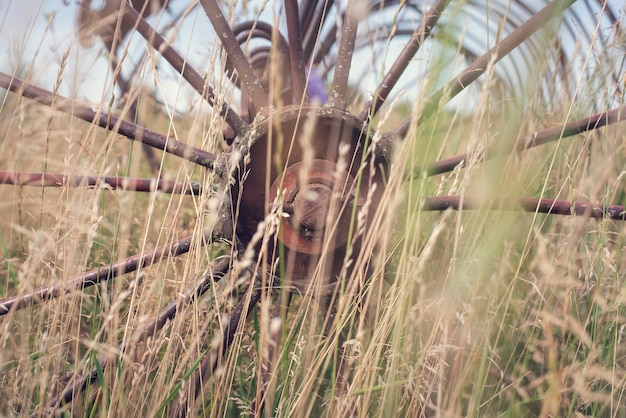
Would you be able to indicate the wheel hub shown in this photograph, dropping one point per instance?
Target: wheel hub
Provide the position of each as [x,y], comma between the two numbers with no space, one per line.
[304,164]
[315,198]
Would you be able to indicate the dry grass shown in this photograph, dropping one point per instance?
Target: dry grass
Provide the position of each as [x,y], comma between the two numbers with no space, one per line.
[466,313]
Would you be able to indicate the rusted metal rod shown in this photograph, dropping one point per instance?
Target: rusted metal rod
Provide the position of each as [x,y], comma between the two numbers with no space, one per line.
[545,136]
[428,22]
[102,273]
[22,178]
[296,53]
[194,79]
[133,115]
[339,88]
[495,54]
[80,383]
[313,16]
[548,206]
[233,50]
[210,359]
[110,122]
[259,56]
[480,65]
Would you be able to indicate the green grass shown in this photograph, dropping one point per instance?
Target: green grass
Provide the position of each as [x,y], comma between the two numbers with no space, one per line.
[479,313]
[466,313]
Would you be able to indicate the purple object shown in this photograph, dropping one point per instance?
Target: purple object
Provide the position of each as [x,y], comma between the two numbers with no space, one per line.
[316,90]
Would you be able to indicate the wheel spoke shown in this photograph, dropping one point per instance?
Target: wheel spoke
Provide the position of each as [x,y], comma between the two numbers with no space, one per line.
[105,273]
[260,58]
[272,348]
[194,79]
[495,54]
[344,57]
[245,71]
[110,122]
[537,205]
[125,89]
[298,78]
[80,383]
[21,178]
[538,138]
[428,22]
[324,46]
[210,359]
[480,65]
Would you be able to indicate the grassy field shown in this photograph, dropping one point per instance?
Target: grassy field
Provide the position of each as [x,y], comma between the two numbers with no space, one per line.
[456,313]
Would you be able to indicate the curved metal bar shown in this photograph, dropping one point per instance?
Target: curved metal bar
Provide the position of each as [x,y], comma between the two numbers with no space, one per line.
[312,20]
[495,54]
[548,206]
[245,71]
[262,30]
[22,178]
[194,79]
[104,273]
[479,66]
[110,122]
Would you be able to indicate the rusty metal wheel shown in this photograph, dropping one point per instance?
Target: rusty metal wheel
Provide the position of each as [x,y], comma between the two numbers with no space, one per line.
[296,159]
[319,154]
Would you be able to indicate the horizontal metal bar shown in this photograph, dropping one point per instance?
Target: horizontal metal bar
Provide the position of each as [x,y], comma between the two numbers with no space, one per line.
[23,178]
[110,122]
[528,204]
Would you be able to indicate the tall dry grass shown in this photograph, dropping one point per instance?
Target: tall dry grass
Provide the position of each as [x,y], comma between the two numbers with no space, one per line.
[466,313]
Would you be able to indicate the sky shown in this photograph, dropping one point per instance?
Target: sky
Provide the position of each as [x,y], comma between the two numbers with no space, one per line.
[35,35]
